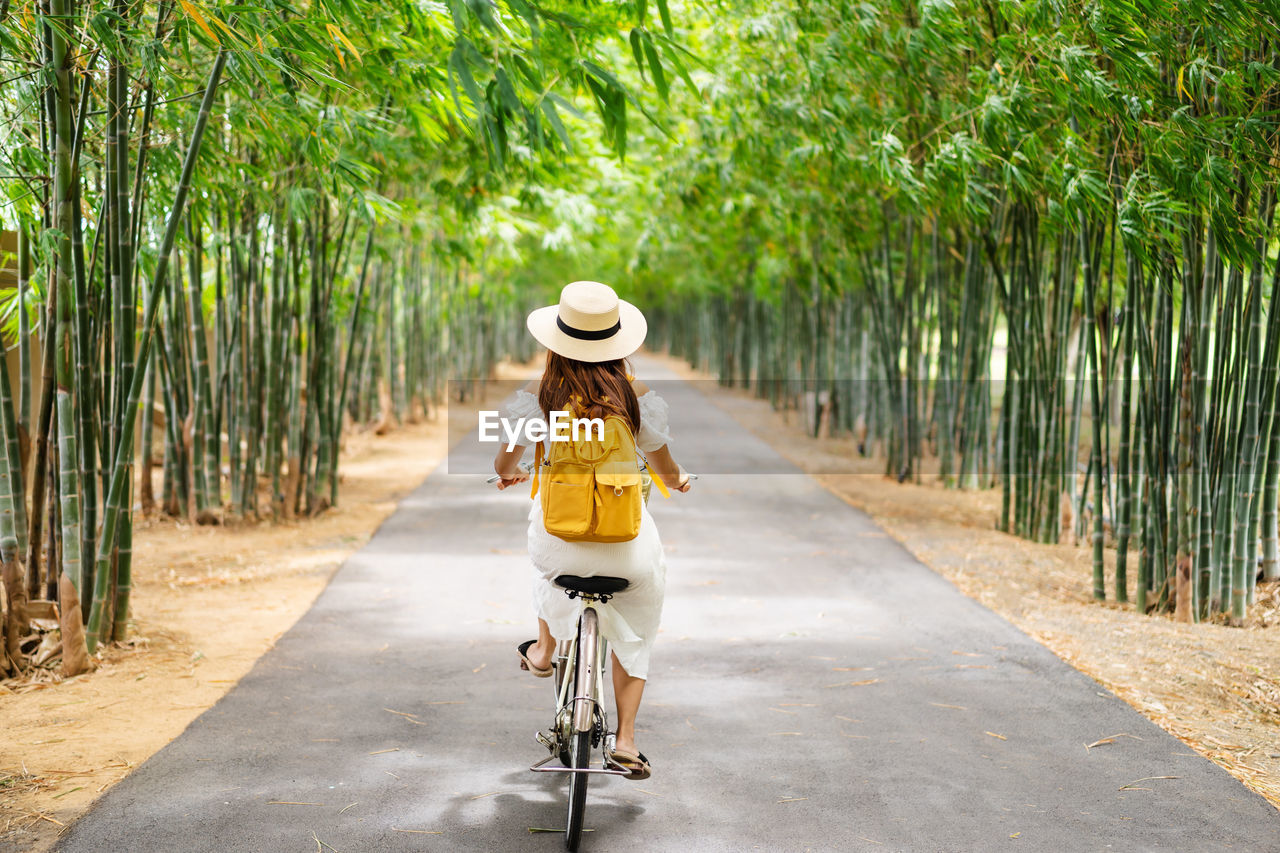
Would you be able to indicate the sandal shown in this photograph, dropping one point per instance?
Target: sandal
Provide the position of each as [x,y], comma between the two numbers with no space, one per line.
[526,664]
[636,765]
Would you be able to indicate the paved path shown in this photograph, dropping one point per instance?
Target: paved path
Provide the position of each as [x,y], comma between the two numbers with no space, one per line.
[815,688]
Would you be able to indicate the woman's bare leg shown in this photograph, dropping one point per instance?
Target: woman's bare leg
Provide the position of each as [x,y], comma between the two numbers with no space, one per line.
[627,690]
[541,652]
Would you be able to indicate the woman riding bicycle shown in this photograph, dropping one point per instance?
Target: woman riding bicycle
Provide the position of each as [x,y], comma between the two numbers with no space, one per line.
[588,337]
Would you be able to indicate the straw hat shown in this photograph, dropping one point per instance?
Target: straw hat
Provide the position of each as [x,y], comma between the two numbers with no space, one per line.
[590,324]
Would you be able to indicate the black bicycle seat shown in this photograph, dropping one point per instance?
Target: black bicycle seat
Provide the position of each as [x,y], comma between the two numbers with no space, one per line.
[597,585]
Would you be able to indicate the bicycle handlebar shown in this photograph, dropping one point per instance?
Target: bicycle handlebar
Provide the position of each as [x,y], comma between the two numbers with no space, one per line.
[526,467]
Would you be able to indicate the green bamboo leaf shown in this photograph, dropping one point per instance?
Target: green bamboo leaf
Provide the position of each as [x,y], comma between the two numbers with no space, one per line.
[530,15]
[458,67]
[483,10]
[655,66]
[565,105]
[636,50]
[506,92]
[602,102]
[681,71]
[620,130]
[603,76]
[665,14]
[553,117]
[458,11]
[528,72]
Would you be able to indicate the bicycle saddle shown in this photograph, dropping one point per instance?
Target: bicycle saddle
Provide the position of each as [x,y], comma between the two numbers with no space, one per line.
[598,585]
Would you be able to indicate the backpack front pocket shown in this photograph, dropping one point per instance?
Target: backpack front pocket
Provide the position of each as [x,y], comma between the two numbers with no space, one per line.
[618,503]
[567,502]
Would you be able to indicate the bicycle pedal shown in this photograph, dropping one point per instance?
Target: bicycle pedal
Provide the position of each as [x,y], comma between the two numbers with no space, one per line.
[546,740]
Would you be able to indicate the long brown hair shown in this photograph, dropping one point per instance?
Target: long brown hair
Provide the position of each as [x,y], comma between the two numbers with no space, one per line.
[599,389]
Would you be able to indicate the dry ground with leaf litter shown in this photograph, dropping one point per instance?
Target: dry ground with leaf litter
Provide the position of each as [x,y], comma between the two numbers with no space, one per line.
[1214,687]
[207,603]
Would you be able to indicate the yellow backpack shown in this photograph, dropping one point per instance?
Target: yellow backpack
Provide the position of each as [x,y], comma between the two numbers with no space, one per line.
[593,488]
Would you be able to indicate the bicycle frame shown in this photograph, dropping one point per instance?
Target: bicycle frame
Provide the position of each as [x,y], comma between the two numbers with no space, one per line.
[582,671]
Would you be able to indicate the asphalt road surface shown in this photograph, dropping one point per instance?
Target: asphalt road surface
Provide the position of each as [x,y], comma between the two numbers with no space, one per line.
[814,688]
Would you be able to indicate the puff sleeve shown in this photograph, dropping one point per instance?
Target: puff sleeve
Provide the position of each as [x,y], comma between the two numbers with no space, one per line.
[519,405]
[653,422]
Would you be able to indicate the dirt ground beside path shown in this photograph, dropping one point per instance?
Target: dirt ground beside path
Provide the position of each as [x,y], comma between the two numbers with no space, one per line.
[207,603]
[1216,688]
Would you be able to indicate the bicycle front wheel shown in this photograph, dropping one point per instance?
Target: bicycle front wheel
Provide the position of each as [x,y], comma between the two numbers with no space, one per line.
[584,704]
[579,759]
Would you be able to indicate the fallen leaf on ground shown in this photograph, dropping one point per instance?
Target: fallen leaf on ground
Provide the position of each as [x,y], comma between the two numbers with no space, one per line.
[1130,785]
[400,713]
[43,816]
[320,845]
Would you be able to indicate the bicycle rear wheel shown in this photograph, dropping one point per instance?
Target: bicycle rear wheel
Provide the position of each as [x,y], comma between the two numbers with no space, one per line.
[579,759]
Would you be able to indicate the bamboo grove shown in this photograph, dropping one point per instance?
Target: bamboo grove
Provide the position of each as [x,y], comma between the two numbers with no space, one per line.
[233,231]
[1022,245]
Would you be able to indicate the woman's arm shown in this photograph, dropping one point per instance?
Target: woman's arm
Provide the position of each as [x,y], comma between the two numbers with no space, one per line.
[507,466]
[507,463]
[670,472]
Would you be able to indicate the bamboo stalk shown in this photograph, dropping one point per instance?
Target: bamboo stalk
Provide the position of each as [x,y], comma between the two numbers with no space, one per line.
[121,468]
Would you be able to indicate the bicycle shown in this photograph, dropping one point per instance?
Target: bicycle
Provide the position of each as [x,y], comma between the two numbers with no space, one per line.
[581,721]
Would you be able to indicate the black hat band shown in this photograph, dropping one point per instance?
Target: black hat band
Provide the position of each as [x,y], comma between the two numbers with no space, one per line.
[588,335]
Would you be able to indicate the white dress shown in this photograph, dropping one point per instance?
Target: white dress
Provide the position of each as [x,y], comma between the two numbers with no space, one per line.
[630,620]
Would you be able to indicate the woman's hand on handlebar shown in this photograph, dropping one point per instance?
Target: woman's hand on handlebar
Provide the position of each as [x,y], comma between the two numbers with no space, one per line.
[503,483]
[509,470]
[684,481]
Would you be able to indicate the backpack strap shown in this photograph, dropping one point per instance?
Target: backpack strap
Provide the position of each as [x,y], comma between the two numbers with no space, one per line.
[657,480]
[537,470]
